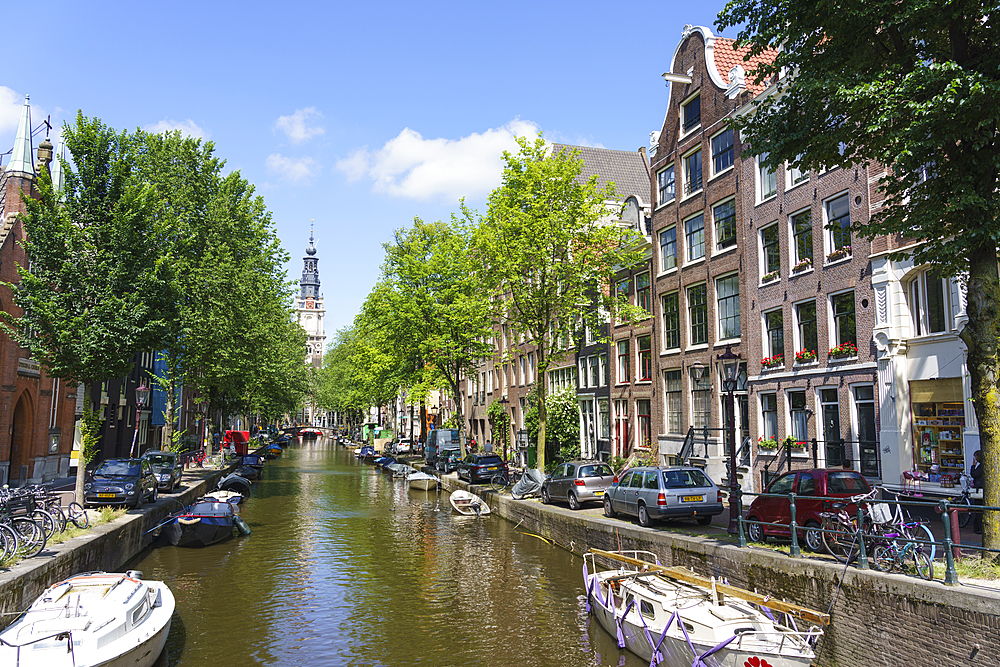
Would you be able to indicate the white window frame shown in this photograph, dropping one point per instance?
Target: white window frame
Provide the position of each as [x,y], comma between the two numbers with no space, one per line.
[718,308]
[704,239]
[732,149]
[672,167]
[759,179]
[828,242]
[790,176]
[683,114]
[715,226]
[832,328]
[916,302]
[688,181]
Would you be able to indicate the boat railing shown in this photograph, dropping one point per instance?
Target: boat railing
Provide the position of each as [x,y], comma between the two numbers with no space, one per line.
[647,556]
[796,641]
[58,636]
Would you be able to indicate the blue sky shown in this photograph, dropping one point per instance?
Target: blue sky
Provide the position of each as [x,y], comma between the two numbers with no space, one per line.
[358,115]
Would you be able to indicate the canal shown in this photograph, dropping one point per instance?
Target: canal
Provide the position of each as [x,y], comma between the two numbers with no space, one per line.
[347,567]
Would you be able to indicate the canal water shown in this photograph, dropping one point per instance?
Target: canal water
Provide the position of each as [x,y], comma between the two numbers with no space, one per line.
[344,566]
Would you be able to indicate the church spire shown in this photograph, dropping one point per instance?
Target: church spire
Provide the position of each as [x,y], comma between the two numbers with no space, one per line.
[310,271]
[21,157]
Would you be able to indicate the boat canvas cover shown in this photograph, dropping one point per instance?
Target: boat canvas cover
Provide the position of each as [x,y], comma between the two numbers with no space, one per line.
[210,509]
[530,482]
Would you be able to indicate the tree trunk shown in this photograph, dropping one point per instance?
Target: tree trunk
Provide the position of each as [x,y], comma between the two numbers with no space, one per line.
[543,367]
[168,417]
[981,336]
[81,463]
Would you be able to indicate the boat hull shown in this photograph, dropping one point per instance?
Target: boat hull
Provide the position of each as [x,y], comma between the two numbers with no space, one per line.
[468,504]
[675,650]
[198,533]
[423,484]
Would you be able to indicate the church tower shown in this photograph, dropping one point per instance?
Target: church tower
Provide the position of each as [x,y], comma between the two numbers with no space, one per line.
[309,306]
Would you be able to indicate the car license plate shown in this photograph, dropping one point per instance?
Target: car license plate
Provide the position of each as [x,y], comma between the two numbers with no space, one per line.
[492,468]
[692,499]
[105,495]
[599,493]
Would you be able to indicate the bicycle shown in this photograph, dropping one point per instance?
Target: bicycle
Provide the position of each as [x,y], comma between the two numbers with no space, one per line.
[965,500]
[887,556]
[505,479]
[901,521]
[841,530]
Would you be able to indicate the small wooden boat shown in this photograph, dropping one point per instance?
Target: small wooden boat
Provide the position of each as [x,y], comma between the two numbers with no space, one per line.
[232,497]
[468,504]
[99,619]
[422,481]
[365,453]
[272,450]
[401,469]
[204,522]
[235,482]
[688,619]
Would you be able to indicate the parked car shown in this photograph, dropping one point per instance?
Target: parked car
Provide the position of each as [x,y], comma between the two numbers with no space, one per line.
[167,468]
[814,490]
[577,482]
[127,482]
[480,467]
[663,492]
[448,460]
[404,446]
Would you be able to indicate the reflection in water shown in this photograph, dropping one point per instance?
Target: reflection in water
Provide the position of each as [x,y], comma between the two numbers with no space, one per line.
[347,567]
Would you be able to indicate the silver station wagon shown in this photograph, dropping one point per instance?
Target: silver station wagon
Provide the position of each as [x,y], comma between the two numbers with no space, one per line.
[577,482]
[664,492]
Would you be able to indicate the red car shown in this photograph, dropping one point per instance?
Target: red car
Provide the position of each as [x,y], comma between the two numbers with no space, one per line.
[813,490]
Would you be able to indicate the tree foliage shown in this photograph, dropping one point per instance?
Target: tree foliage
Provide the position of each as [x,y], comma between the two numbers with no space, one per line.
[913,85]
[547,249]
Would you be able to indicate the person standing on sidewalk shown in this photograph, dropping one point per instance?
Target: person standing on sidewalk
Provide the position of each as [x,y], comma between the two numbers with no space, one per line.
[976,472]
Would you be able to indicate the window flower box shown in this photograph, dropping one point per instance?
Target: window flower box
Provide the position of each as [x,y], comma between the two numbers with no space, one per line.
[806,263]
[792,443]
[773,362]
[805,356]
[767,443]
[847,349]
[839,253]
[768,277]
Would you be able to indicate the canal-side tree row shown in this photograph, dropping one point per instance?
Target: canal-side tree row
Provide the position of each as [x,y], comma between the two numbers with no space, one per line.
[540,261]
[148,246]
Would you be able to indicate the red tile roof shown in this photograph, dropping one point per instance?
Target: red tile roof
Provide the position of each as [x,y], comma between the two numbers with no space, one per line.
[726,58]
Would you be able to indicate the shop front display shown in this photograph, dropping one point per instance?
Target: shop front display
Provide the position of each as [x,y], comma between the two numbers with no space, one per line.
[938,426]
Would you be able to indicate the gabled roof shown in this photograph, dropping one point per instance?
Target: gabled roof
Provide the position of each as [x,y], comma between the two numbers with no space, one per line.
[726,58]
[627,169]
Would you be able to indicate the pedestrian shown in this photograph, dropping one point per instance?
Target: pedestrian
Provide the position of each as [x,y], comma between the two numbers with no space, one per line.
[976,472]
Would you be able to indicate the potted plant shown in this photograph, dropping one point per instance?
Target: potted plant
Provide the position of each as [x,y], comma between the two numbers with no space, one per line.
[772,362]
[847,349]
[804,264]
[839,253]
[768,277]
[767,443]
[805,356]
[792,443]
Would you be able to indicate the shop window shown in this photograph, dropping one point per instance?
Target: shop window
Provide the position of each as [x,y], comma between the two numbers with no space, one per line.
[727,291]
[645,365]
[697,297]
[938,426]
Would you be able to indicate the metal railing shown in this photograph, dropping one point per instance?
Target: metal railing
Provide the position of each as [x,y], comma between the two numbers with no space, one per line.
[950,544]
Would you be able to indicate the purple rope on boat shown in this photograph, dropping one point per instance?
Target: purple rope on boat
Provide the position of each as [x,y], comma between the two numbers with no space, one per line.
[767,612]
[618,623]
[700,660]
[657,657]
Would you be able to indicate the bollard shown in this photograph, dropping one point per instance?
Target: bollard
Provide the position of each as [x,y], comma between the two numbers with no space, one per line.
[794,551]
[862,550]
[950,575]
[742,538]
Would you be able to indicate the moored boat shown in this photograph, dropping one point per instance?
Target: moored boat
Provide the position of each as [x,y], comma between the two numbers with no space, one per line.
[204,522]
[310,433]
[686,619]
[365,453]
[272,450]
[422,481]
[235,482]
[468,504]
[99,619]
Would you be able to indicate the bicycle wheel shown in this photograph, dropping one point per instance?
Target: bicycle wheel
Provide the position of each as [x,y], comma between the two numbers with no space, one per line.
[60,517]
[923,533]
[44,521]
[964,513]
[8,542]
[842,542]
[499,482]
[78,515]
[31,538]
[884,557]
[923,564]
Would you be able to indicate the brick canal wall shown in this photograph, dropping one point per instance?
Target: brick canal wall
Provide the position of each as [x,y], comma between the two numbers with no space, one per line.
[877,619]
[102,548]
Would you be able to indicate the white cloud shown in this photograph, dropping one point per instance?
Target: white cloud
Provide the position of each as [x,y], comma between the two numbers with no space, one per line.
[447,169]
[11,104]
[295,170]
[296,126]
[187,127]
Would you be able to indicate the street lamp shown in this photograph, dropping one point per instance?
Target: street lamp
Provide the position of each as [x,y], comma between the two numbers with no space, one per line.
[730,369]
[141,396]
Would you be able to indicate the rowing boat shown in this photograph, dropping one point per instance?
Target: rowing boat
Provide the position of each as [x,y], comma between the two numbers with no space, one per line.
[468,504]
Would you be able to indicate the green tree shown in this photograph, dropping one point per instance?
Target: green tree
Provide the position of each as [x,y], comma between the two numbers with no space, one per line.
[562,436]
[90,296]
[545,249]
[911,84]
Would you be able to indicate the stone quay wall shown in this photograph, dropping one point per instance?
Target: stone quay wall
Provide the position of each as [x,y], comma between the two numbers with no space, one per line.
[876,619]
[107,548]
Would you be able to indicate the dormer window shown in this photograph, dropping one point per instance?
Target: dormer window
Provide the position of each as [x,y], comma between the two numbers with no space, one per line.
[630,213]
[691,113]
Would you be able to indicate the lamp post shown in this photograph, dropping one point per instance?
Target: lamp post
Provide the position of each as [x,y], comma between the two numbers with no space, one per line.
[730,368]
[141,396]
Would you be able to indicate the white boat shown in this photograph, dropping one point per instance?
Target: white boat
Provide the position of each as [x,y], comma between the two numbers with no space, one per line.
[689,620]
[422,481]
[468,504]
[400,469]
[99,619]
